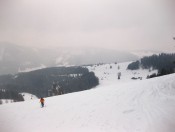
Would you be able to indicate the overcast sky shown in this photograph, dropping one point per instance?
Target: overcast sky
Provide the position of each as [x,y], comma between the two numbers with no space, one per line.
[112,24]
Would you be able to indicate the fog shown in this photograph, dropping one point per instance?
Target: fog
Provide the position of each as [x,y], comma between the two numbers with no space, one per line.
[110,24]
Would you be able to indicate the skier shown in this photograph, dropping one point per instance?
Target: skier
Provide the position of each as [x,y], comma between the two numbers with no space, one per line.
[42,102]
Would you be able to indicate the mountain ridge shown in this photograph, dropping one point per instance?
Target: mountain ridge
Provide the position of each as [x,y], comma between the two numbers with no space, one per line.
[16,58]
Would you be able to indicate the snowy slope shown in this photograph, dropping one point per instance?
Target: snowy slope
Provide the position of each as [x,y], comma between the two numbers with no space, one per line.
[134,106]
[108,73]
[28,96]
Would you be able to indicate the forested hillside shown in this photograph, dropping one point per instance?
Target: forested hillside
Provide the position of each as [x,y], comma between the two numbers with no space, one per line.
[164,63]
[41,82]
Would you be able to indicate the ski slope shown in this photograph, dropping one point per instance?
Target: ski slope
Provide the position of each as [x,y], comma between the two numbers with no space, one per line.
[108,73]
[146,105]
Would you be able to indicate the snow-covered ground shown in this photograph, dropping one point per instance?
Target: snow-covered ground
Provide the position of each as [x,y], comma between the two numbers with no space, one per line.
[146,105]
[108,73]
[6,101]
[28,96]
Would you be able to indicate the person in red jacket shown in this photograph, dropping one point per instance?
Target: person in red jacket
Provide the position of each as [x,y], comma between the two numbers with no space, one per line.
[42,102]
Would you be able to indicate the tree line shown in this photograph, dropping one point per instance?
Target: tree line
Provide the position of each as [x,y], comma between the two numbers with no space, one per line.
[164,63]
[39,82]
[12,95]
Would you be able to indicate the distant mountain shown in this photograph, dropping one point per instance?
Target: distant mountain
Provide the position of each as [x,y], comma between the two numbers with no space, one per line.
[15,58]
[144,53]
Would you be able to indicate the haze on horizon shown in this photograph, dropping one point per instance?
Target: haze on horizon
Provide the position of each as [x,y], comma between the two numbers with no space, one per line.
[111,24]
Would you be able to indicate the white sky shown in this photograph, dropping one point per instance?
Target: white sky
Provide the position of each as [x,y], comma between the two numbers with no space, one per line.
[113,24]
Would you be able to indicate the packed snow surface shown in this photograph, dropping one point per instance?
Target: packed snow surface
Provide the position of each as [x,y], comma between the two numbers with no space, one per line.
[146,105]
[28,96]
